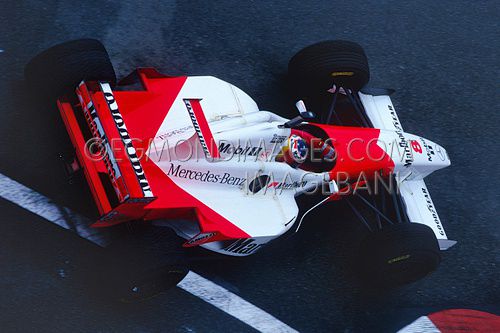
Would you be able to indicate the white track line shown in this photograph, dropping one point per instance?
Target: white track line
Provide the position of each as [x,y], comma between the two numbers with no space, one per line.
[232,304]
[193,283]
[42,206]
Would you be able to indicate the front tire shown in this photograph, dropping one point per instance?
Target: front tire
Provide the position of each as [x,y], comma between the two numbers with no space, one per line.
[333,61]
[398,254]
[315,69]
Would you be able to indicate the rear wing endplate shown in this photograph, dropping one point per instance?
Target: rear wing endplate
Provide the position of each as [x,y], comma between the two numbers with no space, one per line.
[114,173]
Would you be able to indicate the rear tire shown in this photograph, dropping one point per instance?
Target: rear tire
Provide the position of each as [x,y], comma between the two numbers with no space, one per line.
[58,70]
[143,265]
[398,254]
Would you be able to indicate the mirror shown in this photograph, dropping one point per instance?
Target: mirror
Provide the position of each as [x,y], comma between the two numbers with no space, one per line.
[304,115]
[300,105]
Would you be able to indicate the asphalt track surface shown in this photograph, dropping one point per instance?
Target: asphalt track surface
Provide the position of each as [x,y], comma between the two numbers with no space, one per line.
[441,57]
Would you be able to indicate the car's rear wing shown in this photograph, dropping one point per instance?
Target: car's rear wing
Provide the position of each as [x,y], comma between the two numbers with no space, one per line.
[106,153]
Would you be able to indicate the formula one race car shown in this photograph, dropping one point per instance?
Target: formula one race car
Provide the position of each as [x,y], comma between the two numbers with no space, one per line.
[197,155]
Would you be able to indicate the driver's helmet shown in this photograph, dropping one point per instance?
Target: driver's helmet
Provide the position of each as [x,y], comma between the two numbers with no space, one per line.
[296,151]
[298,148]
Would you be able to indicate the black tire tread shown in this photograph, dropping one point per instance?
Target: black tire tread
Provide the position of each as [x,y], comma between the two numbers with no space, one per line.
[59,69]
[311,67]
[415,239]
[150,254]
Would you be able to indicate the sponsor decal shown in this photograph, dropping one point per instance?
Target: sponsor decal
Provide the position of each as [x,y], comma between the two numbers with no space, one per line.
[197,128]
[244,246]
[287,186]
[139,200]
[432,210]
[403,257]
[228,148]
[334,74]
[429,150]
[97,130]
[267,182]
[408,157]
[178,131]
[109,216]
[206,177]
[278,138]
[265,155]
[127,141]
[440,153]
[199,238]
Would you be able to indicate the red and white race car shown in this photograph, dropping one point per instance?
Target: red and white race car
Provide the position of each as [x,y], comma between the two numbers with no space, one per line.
[197,154]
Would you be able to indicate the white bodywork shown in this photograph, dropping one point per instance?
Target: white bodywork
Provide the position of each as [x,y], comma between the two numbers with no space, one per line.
[248,141]
[418,202]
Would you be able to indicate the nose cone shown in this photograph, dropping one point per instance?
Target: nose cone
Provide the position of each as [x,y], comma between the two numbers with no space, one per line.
[427,156]
[442,156]
[420,155]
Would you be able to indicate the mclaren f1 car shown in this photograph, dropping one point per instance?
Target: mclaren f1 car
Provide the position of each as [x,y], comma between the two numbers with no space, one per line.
[197,155]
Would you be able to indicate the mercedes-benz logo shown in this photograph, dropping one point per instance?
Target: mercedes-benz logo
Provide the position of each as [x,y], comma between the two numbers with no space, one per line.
[440,153]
